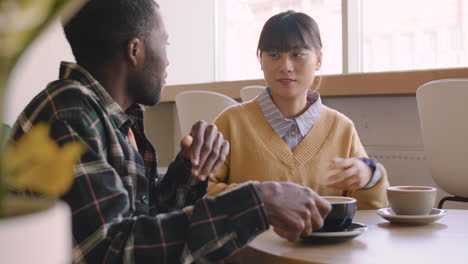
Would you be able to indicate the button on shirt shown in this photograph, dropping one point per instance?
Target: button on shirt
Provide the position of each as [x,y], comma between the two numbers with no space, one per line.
[293,130]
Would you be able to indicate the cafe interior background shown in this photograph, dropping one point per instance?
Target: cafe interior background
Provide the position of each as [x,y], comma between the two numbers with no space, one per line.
[385,44]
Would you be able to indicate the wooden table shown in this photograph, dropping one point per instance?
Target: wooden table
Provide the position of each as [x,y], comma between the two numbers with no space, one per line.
[444,241]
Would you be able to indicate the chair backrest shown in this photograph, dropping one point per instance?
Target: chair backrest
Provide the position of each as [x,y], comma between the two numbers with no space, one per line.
[443,114]
[193,106]
[250,92]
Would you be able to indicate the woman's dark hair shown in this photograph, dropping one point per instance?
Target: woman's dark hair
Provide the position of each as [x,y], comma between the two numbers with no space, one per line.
[289,30]
[103,27]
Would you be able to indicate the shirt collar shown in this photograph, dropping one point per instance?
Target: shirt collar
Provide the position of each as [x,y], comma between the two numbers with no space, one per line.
[307,120]
[123,120]
[281,124]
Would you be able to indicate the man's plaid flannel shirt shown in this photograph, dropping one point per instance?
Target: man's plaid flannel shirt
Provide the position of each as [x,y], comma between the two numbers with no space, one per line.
[122,212]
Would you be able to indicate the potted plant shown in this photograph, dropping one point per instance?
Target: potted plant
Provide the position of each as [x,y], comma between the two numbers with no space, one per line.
[33,230]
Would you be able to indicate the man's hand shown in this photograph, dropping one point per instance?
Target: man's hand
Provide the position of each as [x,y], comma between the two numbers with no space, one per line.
[353,174]
[294,210]
[206,149]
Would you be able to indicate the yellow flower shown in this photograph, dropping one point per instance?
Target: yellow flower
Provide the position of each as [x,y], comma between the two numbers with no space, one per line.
[38,164]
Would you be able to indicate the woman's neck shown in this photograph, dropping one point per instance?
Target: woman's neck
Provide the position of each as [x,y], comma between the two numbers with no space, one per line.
[291,107]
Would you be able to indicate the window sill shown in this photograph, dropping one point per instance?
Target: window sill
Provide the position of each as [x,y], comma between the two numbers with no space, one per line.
[359,84]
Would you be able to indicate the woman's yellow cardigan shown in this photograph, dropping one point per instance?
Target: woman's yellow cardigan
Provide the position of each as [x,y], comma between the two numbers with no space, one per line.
[257,153]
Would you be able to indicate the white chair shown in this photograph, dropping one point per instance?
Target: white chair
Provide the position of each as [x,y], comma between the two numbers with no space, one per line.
[193,106]
[443,114]
[250,92]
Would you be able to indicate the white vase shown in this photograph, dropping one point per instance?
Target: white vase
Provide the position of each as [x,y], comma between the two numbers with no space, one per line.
[35,231]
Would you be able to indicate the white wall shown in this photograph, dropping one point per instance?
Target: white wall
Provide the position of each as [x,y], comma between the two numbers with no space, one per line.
[190,25]
[38,66]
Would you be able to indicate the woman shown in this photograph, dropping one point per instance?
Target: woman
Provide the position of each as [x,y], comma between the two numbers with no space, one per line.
[287,134]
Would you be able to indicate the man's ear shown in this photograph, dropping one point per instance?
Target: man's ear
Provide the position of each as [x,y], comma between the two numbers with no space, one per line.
[135,51]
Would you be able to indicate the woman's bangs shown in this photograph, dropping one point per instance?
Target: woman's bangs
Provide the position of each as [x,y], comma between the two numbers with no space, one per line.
[284,38]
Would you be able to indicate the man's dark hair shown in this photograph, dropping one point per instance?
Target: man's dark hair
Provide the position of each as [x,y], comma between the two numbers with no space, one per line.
[103,27]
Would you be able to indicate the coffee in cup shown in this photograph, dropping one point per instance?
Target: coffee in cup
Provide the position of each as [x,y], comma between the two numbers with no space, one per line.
[341,214]
[411,200]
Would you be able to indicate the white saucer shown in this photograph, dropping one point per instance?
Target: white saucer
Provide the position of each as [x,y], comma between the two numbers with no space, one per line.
[354,230]
[388,214]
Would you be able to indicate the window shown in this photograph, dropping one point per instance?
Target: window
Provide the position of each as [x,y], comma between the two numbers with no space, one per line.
[240,22]
[216,40]
[426,54]
[422,34]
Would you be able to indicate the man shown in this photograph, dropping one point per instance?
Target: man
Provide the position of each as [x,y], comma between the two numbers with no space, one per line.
[122,211]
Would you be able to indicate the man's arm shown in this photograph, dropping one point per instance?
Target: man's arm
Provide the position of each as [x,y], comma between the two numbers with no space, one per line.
[108,225]
[111,222]
[178,188]
[202,153]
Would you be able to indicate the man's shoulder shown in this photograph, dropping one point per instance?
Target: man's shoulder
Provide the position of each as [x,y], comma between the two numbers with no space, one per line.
[69,91]
[62,98]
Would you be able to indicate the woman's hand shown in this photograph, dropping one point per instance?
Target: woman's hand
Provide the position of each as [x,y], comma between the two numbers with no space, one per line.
[353,174]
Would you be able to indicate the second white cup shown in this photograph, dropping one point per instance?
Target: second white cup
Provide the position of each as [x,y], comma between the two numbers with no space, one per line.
[411,200]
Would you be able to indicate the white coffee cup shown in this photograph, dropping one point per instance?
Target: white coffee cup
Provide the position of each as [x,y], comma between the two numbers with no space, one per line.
[411,200]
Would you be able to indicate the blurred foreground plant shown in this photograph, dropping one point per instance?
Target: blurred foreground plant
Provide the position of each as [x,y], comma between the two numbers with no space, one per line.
[38,164]
[21,21]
